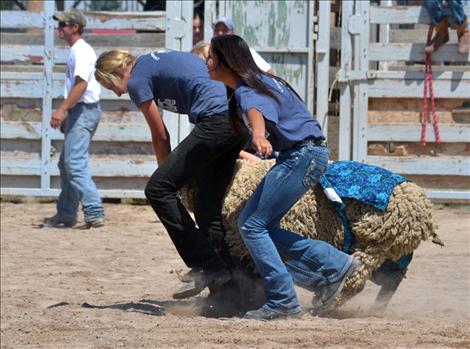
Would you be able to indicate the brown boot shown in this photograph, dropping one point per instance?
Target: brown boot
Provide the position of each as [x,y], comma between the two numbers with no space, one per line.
[464,37]
[441,37]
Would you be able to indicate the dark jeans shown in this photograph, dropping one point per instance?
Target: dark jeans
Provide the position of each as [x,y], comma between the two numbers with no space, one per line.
[208,156]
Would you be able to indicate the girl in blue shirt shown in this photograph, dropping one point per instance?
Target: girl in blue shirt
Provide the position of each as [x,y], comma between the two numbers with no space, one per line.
[280,121]
[179,82]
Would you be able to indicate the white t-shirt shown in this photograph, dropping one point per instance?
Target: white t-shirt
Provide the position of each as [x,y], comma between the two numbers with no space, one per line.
[260,62]
[81,62]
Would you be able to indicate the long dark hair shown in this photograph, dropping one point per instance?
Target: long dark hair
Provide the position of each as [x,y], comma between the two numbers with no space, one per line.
[234,54]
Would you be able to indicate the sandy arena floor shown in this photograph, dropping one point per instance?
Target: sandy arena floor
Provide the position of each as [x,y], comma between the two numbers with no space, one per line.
[126,273]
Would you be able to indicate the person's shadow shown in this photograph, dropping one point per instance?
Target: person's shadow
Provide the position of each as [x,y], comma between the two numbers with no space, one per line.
[232,299]
[154,308]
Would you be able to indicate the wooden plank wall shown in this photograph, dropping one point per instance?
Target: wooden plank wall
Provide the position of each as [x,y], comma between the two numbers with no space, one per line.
[395,108]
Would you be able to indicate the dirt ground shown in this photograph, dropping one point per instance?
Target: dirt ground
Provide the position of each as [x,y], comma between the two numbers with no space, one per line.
[111,288]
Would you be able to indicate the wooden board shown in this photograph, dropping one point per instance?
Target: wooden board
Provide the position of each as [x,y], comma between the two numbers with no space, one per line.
[410,110]
[149,20]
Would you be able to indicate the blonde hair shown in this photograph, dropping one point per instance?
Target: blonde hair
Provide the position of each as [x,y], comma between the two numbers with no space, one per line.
[109,65]
[201,49]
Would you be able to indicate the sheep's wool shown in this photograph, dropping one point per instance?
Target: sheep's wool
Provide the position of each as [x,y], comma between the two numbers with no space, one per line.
[379,235]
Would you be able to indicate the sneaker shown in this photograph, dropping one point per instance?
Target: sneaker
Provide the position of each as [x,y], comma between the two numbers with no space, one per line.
[322,302]
[189,276]
[57,222]
[265,313]
[201,280]
[96,223]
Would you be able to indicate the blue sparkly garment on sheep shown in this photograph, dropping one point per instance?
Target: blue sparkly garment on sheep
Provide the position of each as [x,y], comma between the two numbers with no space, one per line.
[366,183]
[369,184]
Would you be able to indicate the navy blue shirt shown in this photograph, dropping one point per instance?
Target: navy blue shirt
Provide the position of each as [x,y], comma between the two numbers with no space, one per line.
[287,121]
[178,82]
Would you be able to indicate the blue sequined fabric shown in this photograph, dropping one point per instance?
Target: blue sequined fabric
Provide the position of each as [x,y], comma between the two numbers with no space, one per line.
[371,185]
[366,183]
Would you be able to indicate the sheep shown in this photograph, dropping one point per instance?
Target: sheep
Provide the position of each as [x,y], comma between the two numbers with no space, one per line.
[380,236]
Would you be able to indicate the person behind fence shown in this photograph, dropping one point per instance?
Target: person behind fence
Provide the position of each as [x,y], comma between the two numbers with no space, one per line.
[435,9]
[78,117]
[179,82]
[278,120]
[225,26]
[198,27]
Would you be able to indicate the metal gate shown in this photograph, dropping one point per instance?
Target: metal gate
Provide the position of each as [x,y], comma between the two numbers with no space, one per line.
[365,76]
[281,31]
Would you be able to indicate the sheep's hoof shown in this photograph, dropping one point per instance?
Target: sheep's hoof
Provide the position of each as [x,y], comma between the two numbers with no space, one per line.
[387,291]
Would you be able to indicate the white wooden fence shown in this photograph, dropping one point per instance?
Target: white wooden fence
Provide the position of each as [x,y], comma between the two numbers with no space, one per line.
[360,83]
[284,34]
[23,84]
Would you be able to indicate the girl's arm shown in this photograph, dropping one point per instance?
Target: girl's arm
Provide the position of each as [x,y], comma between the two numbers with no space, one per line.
[160,135]
[258,127]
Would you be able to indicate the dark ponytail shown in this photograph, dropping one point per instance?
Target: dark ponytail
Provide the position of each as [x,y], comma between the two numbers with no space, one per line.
[233,53]
[235,115]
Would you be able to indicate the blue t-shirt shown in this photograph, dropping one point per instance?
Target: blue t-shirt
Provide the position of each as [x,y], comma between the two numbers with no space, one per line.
[287,121]
[178,82]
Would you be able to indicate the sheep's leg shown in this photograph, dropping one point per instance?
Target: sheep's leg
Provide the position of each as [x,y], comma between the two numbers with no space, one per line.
[387,291]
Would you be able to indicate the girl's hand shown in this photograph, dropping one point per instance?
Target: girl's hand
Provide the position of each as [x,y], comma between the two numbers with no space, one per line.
[262,145]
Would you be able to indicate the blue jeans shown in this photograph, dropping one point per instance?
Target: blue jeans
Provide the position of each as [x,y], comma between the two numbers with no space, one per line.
[311,263]
[436,11]
[76,182]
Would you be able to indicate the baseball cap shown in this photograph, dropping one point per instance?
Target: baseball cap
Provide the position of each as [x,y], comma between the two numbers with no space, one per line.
[71,17]
[225,20]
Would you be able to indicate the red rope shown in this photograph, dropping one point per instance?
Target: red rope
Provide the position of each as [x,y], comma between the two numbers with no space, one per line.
[428,80]
[425,103]
[433,106]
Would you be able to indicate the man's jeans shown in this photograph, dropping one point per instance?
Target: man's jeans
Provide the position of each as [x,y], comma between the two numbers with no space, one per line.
[76,182]
[436,11]
[207,156]
[311,262]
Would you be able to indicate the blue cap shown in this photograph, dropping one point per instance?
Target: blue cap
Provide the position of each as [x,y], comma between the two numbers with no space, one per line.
[225,20]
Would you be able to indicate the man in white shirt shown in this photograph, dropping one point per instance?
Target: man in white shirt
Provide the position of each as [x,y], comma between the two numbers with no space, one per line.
[77,117]
[225,26]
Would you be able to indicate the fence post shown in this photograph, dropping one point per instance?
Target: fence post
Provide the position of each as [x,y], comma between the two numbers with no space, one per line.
[384,33]
[344,142]
[49,7]
[210,14]
[323,64]
[179,37]
[361,67]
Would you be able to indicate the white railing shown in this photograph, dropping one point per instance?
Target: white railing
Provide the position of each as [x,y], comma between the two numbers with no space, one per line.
[30,74]
[360,82]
